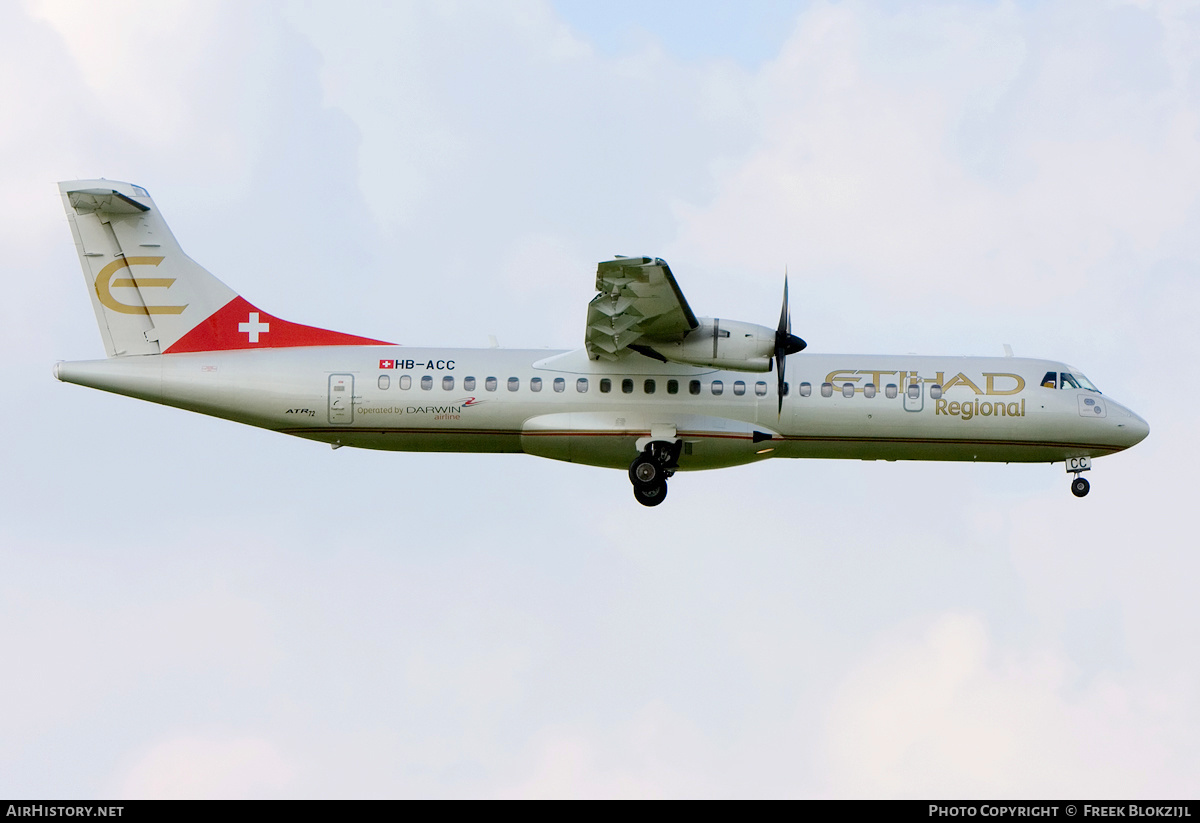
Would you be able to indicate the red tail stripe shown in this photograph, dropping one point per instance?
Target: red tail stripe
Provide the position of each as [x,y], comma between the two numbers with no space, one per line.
[239,325]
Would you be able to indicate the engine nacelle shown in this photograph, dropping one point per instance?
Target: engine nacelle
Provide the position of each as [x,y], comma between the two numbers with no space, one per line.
[725,344]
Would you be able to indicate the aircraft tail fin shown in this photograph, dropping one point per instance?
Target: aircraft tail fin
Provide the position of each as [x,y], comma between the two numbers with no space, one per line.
[150,297]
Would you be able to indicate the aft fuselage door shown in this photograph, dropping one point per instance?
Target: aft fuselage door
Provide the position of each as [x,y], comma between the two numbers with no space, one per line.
[341,399]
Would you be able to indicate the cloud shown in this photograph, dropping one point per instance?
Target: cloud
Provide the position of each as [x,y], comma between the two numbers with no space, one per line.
[198,767]
[985,152]
[656,753]
[941,711]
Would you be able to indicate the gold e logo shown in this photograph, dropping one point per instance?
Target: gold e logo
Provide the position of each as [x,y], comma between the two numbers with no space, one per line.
[105,284]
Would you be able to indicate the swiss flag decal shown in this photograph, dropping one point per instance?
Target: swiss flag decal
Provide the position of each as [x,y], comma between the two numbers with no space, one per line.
[239,325]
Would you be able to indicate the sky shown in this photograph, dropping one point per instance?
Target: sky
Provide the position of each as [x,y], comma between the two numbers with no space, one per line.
[192,608]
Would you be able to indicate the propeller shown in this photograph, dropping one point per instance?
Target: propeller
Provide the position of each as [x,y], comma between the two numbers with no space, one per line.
[785,342]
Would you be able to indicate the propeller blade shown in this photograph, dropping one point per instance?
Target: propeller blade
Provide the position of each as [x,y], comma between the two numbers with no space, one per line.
[785,342]
[785,314]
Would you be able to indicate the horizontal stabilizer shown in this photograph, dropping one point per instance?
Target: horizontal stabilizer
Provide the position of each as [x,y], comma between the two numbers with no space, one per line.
[105,200]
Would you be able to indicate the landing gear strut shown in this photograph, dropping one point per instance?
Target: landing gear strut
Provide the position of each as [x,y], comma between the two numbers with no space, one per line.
[649,471]
[1076,465]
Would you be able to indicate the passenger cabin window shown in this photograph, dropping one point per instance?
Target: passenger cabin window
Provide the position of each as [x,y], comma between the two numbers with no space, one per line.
[935,391]
[605,385]
[739,387]
[626,386]
[694,387]
[514,383]
[718,388]
[384,381]
[648,387]
[535,384]
[672,387]
[491,383]
[760,388]
[827,390]
[847,390]
[806,389]
[469,383]
[581,385]
[405,382]
[869,390]
[1050,381]
[448,383]
[891,391]
[427,382]
[787,389]
[560,384]
[914,391]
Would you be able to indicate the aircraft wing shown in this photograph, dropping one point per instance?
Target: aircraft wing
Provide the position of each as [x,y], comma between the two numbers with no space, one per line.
[637,303]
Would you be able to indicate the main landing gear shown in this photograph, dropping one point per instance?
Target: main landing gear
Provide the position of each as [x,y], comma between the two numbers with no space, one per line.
[1075,466]
[649,471]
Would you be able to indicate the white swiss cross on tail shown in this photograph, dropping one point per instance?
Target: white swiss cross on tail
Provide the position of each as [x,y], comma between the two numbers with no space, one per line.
[252,327]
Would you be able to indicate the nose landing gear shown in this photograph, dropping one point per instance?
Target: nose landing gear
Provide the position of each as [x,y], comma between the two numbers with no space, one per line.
[1075,466]
[649,471]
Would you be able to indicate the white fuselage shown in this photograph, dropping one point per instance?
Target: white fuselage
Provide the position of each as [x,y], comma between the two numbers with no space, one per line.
[553,404]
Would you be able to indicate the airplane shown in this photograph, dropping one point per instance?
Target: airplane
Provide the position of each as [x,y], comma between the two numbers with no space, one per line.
[654,389]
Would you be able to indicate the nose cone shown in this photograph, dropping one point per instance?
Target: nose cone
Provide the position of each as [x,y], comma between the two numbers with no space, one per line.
[1140,430]
[1131,429]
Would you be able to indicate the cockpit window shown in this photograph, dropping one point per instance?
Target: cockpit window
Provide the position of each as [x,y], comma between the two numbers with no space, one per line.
[1050,381]
[1075,380]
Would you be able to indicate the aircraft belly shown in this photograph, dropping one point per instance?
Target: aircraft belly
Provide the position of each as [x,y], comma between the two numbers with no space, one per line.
[610,438]
[908,448]
[419,440]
